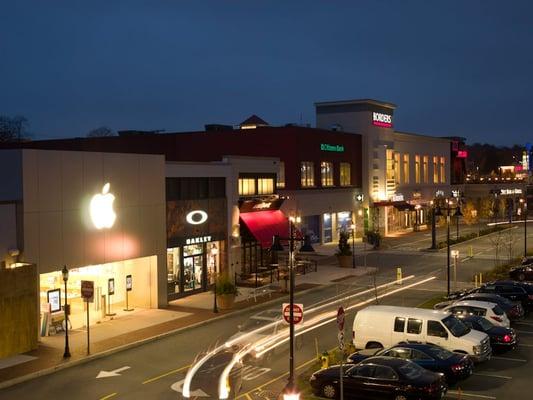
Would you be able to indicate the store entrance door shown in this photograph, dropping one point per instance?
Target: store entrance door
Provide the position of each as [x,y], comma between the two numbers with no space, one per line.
[193,273]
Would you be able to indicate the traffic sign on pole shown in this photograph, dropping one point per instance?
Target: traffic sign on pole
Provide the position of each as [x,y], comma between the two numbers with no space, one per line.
[340,318]
[297,313]
[87,291]
[340,336]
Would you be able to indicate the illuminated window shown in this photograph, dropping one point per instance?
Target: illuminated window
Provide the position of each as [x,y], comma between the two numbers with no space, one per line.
[442,170]
[280,183]
[406,168]
[435,169]
[346,177]
[390,165]
[417,168]
[246,186]
[265,186]
[426,169]
[326,173]
[307,171]
[397,168]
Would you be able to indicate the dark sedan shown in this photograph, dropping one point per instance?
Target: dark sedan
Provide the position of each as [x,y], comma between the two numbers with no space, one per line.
[508,289]
[501,338]
[454,366]
[380,378]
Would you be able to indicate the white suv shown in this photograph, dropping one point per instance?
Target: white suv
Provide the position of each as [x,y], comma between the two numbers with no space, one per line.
[491,311]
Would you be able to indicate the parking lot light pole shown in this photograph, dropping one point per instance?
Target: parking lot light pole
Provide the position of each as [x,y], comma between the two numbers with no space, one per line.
[64,272]
[433,227]
[353,245]
[524,211]
[457,214]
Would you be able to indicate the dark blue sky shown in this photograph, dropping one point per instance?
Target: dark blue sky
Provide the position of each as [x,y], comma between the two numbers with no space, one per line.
[453,67]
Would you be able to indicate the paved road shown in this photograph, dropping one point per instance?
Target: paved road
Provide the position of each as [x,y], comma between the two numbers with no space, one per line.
[155,369]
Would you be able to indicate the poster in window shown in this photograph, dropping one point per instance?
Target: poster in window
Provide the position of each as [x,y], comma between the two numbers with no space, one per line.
[53,297]
[129,283]
[111,286]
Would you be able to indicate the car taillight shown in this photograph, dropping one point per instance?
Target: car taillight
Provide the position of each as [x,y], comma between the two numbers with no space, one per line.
[496,318]
[507,339]
[457,367]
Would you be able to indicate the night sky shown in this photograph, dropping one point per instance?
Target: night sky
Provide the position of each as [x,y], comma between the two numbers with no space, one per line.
[452,67]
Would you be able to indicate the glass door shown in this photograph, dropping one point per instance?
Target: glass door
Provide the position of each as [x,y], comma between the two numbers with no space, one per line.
[193,267]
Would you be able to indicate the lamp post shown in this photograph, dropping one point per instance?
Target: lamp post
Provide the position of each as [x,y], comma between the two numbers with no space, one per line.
[353,245]
[64,272]
[524,211]
[214,252]
[457,214]
[290,392]
[433,227]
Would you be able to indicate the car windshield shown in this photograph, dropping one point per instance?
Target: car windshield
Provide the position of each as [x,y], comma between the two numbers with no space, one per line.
[456,327]
[440,353]
[411,370]
[485,325]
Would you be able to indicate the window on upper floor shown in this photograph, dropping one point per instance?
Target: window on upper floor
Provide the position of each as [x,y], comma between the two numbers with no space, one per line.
[435,169]
[265,185]
[442,170]
[280,183]
[397,167]
[246,186]
[307,174]
[345,174]
[390,164]
[417,168]
[425,168]
[326,173]
[406,169]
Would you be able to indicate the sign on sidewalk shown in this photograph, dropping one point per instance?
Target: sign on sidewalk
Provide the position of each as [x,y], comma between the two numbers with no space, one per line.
[87,291]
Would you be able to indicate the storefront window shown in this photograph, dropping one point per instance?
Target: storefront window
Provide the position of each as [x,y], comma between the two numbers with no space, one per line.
[326,173]
[280,183]
[246,186]
[326,227]
[345,174]
[307,171]
[442,170]
[390,165]
[344,221]
[173,270]
[417,168]
[193,267]
[406,168]
[426,169]
[265,186]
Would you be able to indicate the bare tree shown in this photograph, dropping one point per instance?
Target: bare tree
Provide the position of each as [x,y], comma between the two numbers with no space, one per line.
[101,132]
[13,129]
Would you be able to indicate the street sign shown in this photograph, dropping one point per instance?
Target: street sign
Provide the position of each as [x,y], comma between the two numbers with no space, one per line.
[340,336]
[297,313]
[340,318]
[87,291]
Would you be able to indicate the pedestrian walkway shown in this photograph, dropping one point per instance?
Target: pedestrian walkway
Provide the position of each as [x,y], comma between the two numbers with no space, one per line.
[129,329]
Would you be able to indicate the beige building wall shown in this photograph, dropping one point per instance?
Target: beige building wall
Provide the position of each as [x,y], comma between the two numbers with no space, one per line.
[57,189]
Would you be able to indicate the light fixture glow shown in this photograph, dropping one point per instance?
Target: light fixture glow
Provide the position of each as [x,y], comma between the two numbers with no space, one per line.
[101,209]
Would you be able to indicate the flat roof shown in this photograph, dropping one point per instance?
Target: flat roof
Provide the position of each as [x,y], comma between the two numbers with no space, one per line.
[355,101]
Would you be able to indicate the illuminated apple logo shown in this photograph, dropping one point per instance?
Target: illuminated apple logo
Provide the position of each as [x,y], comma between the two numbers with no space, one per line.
[101,209]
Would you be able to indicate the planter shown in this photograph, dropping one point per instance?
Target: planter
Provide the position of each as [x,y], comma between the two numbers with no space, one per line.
[345,261]
[225,301]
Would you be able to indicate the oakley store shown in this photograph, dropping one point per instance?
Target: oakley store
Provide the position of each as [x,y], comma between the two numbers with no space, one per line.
[99,216]
[196,234]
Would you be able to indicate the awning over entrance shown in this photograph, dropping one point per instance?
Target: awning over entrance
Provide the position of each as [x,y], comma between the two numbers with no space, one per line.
[265,224]
[399,205]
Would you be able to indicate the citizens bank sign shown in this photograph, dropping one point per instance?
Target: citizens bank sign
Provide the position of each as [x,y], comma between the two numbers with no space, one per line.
[382,120]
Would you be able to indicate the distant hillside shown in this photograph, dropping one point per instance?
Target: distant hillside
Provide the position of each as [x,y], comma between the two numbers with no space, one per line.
[489,157]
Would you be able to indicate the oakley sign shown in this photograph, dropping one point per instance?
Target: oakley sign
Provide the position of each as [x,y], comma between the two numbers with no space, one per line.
[196,217]
[382,120]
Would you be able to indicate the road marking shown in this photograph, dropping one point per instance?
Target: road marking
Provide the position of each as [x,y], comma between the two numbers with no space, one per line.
[509,359]
[480,396]
[108,396]
[251,372]
[492,375]
[525,345]
[523,323]
[109,374]
[178,387]
[165,374]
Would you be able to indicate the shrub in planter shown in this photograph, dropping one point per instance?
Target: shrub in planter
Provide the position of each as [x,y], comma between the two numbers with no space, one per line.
[374,238]
[344,252]
[226,291]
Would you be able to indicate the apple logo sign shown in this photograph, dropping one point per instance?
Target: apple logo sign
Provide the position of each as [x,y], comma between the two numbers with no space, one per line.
[101,209]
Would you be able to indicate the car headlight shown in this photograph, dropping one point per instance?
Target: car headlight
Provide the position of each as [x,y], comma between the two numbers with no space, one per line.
[477,349]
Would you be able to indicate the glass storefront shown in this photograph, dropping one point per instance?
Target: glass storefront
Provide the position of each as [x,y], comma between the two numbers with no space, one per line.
[192,268]
[326,229]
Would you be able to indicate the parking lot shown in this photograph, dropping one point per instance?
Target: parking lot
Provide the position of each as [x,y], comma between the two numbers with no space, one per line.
[506,376]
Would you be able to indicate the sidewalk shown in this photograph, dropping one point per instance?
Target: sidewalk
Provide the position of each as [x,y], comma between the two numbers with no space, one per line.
[131,329]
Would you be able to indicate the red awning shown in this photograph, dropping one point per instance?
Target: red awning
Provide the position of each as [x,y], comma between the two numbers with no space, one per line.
[265,224]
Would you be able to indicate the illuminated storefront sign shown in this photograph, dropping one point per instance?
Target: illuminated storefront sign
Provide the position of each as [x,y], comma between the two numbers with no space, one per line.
[101,209]
[397,197]
[337,148]
[263,205]
[200,239]
[462,154]
[510,191]
[196,217]
[382,120]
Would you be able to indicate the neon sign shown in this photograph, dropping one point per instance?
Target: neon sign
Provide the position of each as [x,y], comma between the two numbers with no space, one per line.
[101,209]
[332,147]
[196,217]
[382,120]
[462,154]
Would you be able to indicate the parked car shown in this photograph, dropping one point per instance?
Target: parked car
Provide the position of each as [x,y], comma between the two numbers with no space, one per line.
[500,338]
[528,287]
[508,289]
[454,366]
[522,272]
[385,326]
[380,378]
[493,312]
[514,310]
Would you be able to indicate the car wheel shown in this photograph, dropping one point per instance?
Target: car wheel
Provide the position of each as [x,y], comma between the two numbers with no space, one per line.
[400,397]
[329,391]
[521,277]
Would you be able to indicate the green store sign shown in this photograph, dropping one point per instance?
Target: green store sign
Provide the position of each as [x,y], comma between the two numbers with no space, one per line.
[337,148]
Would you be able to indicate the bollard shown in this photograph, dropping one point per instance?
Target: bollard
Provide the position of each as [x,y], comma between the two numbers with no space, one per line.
[324,360]
[398,275]
[471,251]
[475,280]
[480,278]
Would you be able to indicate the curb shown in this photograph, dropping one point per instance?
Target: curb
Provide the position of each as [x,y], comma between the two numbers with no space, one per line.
[50,370]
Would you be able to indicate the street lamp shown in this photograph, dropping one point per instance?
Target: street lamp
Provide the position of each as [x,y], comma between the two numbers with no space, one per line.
[433,227]
[353,245]
[524,211]
[457,214]
[290,392]
[214,252]
[64,272]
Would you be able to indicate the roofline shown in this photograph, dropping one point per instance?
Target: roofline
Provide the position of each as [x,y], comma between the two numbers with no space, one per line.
[356,101]
[436,138]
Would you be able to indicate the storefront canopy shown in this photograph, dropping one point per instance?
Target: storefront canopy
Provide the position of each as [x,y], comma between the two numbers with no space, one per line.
[399,205]
[265,224]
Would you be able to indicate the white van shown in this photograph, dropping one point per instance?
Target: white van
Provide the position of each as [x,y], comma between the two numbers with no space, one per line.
[385,326]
